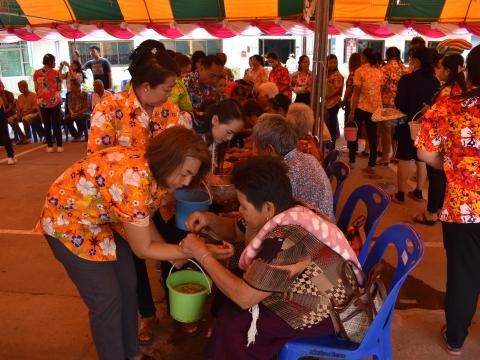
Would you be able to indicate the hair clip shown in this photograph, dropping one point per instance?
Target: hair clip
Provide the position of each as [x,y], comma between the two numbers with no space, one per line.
[154,51]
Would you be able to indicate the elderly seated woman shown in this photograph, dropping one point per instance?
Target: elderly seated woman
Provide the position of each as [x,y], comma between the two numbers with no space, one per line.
[301,117]
[290,268]
[273,135]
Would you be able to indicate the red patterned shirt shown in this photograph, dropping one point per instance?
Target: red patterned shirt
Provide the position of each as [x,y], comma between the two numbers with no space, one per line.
[281,78]
[452,127]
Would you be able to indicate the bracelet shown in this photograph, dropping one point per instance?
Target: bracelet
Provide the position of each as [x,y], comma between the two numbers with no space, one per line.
[204,256]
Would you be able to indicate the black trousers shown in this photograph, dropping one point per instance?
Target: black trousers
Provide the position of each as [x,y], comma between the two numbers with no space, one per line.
[146,305]
[437,183]
[303,98]
[462,246]
[332,123]
[4,135]
[51,118]
[361,116]
[108,290]
[80,121]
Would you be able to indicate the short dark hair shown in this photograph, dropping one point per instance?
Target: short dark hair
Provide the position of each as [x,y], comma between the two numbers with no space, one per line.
[197,56]
[209,60]
[272,56]
[223,57]
[151,65]
[426,58]
[259,59]
[264,179]
[94,47]
[168,150]
[252,108]
[48,60]
[354,62]
[369,54]
[393,53]
[473,66]
[275,130]
[418,40]
[281,101]
[182,60]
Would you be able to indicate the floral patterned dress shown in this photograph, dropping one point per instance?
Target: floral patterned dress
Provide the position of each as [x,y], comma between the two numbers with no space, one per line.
[95,194]
[392,72]
[198,92]
[334,83]
[369,79]
[302,82]
[452,127]
[281,77]
[257,76]
[121,120]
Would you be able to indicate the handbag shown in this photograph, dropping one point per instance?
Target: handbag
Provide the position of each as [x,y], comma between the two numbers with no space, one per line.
[355,234]
[352,318]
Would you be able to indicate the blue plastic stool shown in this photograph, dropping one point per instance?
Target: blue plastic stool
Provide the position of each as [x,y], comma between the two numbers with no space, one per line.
[340,171]
[377,342]
[376,201]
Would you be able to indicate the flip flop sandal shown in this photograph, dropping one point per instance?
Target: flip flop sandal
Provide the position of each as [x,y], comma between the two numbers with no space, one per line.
[394,199]
[422,219]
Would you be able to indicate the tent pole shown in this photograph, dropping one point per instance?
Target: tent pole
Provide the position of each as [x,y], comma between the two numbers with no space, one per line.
[319,73]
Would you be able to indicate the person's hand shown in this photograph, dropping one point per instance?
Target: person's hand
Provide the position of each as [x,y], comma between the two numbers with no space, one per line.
[425,108]
[194,244]
[351,116]
[213,179]
[221,252]
[197,220]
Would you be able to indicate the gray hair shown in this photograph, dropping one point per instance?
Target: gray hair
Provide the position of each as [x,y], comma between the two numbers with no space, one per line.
[301,117]
[269,88]
[274,130]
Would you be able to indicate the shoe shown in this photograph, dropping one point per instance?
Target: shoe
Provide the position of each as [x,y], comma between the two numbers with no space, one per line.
[394,199]
[49,149]
[146,328]
[450,350]
[364,154]
[60,149]
[422,219]
[369,170]
[412,195]
[11,161]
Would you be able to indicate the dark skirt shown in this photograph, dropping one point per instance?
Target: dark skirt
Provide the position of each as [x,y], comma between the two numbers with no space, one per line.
[229,337]
[303,98]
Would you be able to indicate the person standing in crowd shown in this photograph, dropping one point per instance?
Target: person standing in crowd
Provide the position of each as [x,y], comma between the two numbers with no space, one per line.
[449,71]
[354,62]
[4,135]
[302,81]
[130,118]
[279,75]
[291,64]
[100,67]
[8,100]
[99,93]
[77,110]
[334,96]
[256,73]
[48,85]
[450,140]
[417,42]
[366,98]
[28,113]
[74,71]
[197,58]
[98,211]
[180,95]
[201,83]
[229,77]
[393,70]
[274,135]
[414,90]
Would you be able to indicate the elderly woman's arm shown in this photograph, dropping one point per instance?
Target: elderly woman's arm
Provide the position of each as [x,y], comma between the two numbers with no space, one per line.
[235,288]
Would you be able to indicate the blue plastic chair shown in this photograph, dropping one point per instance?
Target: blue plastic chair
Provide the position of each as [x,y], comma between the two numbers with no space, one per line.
[331,157]
[340,171]
[377,341]
[376,201]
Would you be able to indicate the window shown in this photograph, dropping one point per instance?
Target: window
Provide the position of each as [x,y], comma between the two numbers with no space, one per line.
[408,46]
[349,48]
[433,44]
[14,59]
[117,52]
[377,45]
[188,47]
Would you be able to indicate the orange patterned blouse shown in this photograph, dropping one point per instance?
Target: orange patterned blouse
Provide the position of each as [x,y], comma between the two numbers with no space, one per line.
[121,120]
[452,127]
[103,190]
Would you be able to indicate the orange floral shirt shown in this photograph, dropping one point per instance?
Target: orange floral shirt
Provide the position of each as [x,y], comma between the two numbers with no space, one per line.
[392,72]
[452,127]
[334,82]
[121,120]
[46,82]
[103,190]
[369,79]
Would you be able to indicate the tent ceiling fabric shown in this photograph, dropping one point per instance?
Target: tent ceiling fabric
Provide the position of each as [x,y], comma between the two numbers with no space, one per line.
[225,18]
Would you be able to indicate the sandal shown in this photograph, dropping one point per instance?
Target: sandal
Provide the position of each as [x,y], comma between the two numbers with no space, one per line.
[422,219]
[190,329]
[146,328]
[412,195]
[394,199]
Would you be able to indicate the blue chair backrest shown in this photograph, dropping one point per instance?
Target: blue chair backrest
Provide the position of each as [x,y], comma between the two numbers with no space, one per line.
[376,201]
[340,171]
[410,250]
[331,157]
